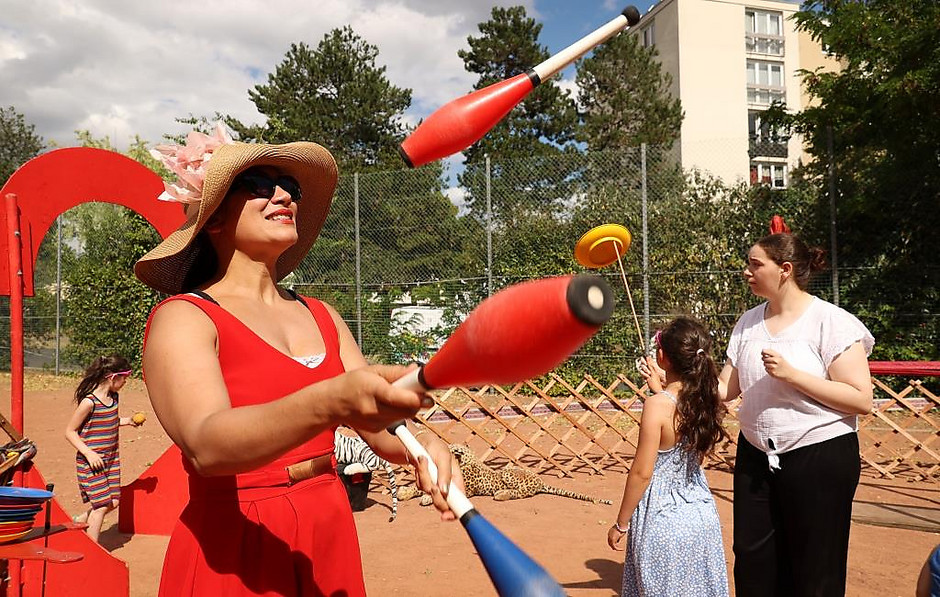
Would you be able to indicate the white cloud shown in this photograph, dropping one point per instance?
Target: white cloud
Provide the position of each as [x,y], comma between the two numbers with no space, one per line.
[570,86]
[458,196]
[122,68]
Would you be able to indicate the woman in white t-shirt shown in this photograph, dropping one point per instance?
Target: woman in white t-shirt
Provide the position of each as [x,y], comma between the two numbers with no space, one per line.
[801,365]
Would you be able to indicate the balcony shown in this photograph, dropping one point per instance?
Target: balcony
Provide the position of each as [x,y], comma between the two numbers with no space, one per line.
[766,147]
[764,44]
[765,95]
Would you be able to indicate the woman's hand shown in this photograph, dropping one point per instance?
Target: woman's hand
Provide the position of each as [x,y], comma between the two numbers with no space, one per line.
[776,366]
[366,398]
[448,471]
[615,537]
[654,375]
[95,461]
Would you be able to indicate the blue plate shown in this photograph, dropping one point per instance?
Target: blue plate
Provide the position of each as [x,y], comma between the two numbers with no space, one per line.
[23,510]
[27,493]
[10,517]
[20,504]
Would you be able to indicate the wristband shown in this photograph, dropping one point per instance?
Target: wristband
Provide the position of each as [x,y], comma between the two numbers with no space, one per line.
[618,527]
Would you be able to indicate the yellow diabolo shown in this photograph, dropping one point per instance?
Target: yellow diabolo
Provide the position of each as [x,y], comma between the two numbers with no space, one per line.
[599,247]
[602,245]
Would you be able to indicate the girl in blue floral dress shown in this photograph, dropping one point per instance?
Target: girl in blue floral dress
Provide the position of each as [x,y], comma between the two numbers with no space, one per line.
[667,514]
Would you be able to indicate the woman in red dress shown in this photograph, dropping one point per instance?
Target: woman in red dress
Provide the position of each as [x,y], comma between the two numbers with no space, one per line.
[250,380]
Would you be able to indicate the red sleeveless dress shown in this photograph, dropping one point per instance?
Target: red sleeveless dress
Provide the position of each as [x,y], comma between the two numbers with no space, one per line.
[254,533]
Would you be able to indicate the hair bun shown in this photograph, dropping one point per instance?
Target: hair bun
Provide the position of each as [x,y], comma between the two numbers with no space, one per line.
[817,259]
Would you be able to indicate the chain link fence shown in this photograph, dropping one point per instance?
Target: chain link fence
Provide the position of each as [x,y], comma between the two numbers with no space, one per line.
[404,255]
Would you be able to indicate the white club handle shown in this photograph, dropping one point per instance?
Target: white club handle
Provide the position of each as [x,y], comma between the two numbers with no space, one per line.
[552,65]
[457,501]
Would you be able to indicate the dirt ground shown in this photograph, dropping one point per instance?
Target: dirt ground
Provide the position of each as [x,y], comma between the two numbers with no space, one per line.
[419,555]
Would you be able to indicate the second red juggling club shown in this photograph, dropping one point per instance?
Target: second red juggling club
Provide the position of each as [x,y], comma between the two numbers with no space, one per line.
[523,331]
[520,332]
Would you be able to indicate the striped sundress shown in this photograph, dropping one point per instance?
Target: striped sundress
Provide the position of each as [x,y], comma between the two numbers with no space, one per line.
[100,433]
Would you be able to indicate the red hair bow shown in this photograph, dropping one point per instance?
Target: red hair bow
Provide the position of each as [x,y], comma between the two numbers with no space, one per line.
[777,225]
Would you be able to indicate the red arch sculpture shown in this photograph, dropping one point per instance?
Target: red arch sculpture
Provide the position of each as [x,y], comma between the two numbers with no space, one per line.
[34,197]
[55,182]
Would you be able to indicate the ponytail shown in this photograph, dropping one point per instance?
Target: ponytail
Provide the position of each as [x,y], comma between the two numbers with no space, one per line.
[97,372]
[700,412]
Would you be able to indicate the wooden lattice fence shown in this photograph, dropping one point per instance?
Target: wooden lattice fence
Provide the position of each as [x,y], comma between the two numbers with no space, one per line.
[555,426]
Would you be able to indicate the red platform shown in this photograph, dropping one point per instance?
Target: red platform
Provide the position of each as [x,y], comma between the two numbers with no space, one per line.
[152,504]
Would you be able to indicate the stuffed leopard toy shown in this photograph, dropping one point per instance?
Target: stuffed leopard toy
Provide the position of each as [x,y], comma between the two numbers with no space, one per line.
[509,483]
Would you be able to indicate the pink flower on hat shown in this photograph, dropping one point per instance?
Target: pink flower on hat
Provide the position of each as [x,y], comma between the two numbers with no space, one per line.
[189,163]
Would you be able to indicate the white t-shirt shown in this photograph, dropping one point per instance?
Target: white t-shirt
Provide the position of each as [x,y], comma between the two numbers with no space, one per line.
[775,416]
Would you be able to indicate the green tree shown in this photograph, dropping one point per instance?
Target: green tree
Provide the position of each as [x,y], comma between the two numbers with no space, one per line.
[625,102]
[624,97]
[880,113]
[540,128]
[334,94]
[18,142]
[507,46]
[106,307]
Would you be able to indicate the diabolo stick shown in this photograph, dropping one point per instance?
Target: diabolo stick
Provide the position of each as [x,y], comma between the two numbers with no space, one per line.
[599,247]
[460,123]
[520,332]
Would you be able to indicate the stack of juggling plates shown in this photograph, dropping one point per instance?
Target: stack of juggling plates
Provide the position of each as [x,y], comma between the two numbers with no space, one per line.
[18,509]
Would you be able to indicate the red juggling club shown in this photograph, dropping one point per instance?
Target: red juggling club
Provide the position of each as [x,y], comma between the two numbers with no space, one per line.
[460,123]
[520,332]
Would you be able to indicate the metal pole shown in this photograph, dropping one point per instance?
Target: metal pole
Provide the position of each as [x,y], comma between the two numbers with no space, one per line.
[489,232]
[58,289]
[14,255]
[646,242]
[358,260]
[833,249]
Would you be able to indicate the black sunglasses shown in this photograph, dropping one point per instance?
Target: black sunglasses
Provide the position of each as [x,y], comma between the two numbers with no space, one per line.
[262,185]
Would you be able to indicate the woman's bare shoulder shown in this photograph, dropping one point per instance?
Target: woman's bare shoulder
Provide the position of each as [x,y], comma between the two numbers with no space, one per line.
[179,317]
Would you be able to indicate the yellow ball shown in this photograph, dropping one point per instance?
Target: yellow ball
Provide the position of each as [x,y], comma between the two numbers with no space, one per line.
[139,418]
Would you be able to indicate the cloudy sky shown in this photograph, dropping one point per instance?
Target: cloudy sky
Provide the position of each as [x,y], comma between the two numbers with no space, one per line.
[123,67]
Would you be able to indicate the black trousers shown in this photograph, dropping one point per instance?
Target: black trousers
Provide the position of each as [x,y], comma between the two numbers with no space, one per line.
[791,526]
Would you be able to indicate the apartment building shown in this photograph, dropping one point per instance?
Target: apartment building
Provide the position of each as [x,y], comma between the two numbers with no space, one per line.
[729,60]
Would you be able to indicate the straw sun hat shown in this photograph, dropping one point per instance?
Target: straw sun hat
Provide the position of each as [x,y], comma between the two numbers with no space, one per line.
[205,168]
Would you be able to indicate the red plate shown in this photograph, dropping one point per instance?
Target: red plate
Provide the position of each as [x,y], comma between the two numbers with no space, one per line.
[12,537]
[21,506]
[9,523]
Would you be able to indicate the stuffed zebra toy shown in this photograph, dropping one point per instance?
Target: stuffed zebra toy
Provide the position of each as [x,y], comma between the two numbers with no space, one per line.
[355,455]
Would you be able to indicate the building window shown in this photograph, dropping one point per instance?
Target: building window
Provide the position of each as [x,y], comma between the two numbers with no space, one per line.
[649,36]
[765,74]
[769,173]
[764,32]
[762,22]
[765,82]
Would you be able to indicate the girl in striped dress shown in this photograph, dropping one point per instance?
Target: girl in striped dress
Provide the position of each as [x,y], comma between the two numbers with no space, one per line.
[93,430]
